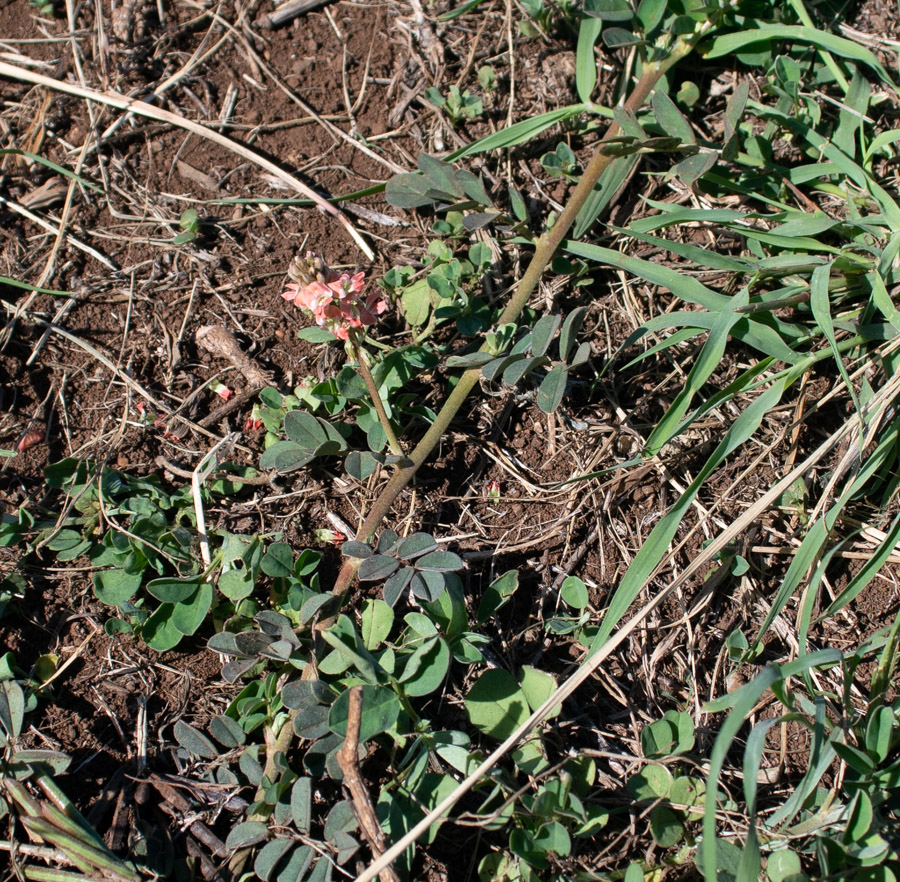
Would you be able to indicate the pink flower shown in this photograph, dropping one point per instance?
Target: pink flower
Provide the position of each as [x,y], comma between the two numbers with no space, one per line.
[222,391]
[333,299]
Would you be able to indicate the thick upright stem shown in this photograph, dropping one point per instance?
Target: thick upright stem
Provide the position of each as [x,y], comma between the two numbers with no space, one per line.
[546,247]
[360,355]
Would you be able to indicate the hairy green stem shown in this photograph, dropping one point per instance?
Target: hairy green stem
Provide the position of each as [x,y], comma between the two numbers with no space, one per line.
[546,247]
[360,355]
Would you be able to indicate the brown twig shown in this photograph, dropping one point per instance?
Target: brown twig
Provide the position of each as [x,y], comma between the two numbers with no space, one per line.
[287,12]
[219,341]
[348,760]
[123,102]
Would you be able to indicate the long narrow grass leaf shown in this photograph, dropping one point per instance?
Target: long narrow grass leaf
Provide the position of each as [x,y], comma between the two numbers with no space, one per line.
[610,182]
[15,283]
[811,547]
[519,132]
[820,758]
[820,304]
[882,299]
[707,257]
[34,157]
[741,703]
[869,570]
[846,164]
[727,44]
[709,359]
[810,598]
[651,552]
[688,289]
[677,216]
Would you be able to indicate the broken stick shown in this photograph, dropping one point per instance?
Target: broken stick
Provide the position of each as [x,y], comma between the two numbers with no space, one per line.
[348,760]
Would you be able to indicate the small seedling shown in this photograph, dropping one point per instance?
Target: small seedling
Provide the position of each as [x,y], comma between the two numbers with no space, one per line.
[459,106]
[487,78]
[190,227]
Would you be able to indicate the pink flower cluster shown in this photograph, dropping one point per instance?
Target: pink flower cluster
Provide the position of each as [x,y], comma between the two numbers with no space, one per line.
[333,299]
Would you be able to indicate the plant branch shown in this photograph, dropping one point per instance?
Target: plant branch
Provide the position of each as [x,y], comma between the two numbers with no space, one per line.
[360,355]
[546,247]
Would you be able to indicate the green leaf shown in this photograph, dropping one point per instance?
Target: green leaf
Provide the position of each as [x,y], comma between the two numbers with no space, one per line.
[286,456]
[227,732]
[377,567]
[278,561]
[427,585]
[312,722]
[651,783]
[304,428]
[537,687]
[688,792]
[315,334]
[783,864]
[159,632]
[190,614]
[585,62]
[396,584]
[571,327]
[542,335]
[381,709]
[194,741]
[270,855]
[424,669]
[861,815]
[22,762]
[650,13]
[472,360]
[12,708]
[360,464]
[672,121]
[515,372]
[415,545]
[665,826]
[879,732]
[728,44]
[440,562]
[416,302]
[574,593]
[693,167]
[620,38]
[377,619]
[172,590]
[497,595]
[358,550]
[674,733]
[246,834]
[496,704]
[609,10]
[116,586]
[634,873]
[553,387]
[301,804]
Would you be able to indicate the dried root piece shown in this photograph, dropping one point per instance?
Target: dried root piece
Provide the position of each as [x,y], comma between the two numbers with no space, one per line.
[220,342]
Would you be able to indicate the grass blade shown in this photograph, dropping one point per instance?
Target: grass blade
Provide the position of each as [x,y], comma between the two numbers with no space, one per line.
[741,703]
[820,304]
[709,359]
[653,549]
[519,132]
[728,44]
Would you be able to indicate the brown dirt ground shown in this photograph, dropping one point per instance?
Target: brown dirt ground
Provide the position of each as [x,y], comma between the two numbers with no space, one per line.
[286,93]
